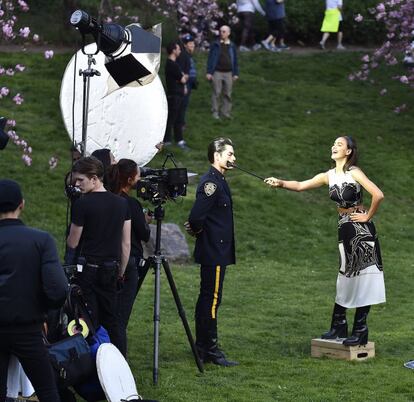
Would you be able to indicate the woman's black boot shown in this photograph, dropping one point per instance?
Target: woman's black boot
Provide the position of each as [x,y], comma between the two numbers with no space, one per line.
[360,329]
[339,326]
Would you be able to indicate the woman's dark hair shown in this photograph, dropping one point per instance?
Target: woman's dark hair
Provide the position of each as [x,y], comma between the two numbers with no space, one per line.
[352,159]
[104,155]
[217,145]
[119,174]
[89,166]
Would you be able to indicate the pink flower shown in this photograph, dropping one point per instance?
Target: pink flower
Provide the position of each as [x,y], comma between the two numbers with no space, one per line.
[19,67]
[24,32]
[35,38]
[365,58]
[53,161]
[11,123]
[383,91]
[8,31]
[18,99]
[404,79]
[4,91]
[380,7]
[49,54]
[10,72]
[27,160]
[358,18]
[23,6]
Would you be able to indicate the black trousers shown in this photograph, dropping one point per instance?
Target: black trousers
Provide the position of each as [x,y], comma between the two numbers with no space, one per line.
[126,299]
[175,103]
[247,34]
[99,289]
[208,303]
[29,348]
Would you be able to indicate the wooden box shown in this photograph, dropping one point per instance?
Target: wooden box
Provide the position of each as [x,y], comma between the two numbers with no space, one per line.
[336,350]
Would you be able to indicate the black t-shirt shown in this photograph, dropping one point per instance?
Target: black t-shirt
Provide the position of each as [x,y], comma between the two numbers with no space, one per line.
[140,230]
[173,76]
[102,216]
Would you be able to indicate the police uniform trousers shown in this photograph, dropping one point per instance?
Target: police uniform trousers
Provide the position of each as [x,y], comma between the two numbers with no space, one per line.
[209,299]
[99,289]
[27,344]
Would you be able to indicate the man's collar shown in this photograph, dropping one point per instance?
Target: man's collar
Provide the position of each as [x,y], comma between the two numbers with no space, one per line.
[225,42]
[11,222]
[216,172]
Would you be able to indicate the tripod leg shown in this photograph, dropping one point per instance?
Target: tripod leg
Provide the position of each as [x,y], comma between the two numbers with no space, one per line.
[181,313]
[143,272]
[157,269]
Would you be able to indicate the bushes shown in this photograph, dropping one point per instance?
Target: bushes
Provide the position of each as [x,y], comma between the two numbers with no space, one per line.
[304,20]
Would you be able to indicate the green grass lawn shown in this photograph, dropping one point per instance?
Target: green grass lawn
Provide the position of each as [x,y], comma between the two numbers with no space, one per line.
[287,112]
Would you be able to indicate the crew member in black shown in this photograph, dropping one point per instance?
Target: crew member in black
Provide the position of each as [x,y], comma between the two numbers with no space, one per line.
[103,221]
[31,281]
[122,178]
[175,81]
[211,221]
[188,66]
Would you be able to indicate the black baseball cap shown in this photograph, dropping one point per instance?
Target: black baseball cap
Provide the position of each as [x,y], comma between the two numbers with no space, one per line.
[187,38]
[10,195]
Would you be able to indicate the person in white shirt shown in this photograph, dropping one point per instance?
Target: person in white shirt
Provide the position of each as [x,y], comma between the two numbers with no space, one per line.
[330,5]
[245,12]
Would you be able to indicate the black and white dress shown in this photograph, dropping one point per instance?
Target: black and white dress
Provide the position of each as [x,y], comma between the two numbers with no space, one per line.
[360,279]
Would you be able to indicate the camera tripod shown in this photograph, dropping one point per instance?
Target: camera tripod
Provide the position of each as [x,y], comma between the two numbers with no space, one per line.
[156,261]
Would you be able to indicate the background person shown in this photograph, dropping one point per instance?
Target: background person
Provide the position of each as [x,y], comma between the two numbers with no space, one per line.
[222,70]
[122,178]
[332,12]
[188,66]
[360,280]
[31,281]
[103,221]
[175,80]
[211,221]
[276,15]
[245,12]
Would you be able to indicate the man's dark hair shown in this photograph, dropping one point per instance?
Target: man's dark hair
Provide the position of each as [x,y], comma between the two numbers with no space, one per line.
[89,166]
[217,145]
[171,47]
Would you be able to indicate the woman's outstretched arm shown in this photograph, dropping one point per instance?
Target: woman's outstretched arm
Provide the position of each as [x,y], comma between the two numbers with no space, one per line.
[316,181]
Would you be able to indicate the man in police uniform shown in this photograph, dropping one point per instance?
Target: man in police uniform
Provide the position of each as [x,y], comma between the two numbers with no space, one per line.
[211,221]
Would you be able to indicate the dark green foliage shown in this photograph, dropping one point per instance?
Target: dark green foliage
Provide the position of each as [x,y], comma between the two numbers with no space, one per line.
[304,19]
[287,111]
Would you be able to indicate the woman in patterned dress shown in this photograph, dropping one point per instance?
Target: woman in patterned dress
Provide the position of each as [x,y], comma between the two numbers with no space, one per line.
[360,281]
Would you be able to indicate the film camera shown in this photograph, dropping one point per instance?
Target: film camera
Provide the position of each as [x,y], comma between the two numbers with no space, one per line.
[160,185]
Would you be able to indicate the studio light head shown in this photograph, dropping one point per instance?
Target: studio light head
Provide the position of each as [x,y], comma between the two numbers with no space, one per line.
[123,48]
[109,37]
[4,138]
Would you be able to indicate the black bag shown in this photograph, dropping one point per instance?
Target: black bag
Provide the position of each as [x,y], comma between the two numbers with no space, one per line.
[71,360]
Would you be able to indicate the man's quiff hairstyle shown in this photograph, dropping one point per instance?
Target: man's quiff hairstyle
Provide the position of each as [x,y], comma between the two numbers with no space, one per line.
[89,166]
[217,145]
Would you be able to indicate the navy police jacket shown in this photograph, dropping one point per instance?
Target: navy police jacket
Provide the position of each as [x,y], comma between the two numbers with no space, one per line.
[212,219]
[31,277]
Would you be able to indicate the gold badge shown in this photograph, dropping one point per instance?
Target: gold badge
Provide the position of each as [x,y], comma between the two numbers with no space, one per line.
[210,188]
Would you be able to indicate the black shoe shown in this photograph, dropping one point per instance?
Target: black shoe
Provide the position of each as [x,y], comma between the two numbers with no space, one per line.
[216,356]
[358,337]
[339,328]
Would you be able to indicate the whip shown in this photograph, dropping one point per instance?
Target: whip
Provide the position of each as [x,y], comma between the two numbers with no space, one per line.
[229,164]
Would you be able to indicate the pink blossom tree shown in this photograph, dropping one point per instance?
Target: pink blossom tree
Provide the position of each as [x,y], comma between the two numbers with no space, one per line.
[198,17]
[10,32]
[398,18]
